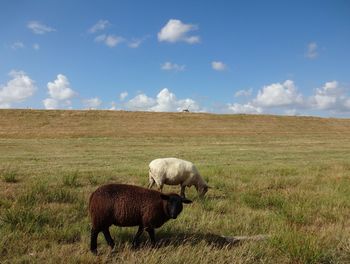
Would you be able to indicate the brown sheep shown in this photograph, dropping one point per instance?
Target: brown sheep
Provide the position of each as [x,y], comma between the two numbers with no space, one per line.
[128,205]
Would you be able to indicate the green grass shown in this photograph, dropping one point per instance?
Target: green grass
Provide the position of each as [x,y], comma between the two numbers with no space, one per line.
[285,177]
[9,175]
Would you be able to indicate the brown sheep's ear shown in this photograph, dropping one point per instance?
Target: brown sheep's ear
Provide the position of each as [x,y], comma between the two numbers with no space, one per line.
[186,201]
[164,197]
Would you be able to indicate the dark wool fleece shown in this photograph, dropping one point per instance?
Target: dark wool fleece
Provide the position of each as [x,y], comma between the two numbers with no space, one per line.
[127,205]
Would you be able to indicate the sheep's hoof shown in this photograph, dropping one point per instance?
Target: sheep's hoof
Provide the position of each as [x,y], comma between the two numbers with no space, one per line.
[94,251]
[113,249]
[135,245]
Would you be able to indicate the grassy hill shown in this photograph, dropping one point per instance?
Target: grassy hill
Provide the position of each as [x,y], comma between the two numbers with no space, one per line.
[58,123]
[286,177]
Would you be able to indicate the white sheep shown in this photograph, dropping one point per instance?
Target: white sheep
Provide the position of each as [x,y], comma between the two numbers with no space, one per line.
[173,171]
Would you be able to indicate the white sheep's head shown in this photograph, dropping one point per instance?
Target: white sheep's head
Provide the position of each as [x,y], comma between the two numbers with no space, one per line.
[202,190]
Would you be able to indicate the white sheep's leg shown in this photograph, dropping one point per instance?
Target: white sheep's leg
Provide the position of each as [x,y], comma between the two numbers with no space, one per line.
[160,187]
[182,193]
[151,182]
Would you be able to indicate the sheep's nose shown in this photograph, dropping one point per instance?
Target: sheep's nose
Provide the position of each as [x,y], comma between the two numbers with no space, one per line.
[173,215]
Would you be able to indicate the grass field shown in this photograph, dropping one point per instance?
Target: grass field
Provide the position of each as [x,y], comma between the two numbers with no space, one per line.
[286,177]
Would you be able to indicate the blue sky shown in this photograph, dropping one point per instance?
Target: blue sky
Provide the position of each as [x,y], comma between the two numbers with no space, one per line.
[257,57]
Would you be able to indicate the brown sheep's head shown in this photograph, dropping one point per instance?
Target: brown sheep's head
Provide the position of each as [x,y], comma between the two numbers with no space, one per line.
[174,204]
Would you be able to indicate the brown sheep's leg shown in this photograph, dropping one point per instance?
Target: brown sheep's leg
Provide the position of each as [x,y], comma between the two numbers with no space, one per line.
[108,238]
[135,241]
[151,235]
[93,244]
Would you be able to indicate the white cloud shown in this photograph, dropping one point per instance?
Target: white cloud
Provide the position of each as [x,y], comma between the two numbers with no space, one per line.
[165,101]
[60,93]
[50,103]
[347,103]
[176,31]
[331,97]
[291,112]
[140,102]
[60,89]
[36,46]
[248,108]
[17,90]
[189,104]
[218,66]
[168,66]
[135,43]
[284,97]
[92,103]
[39,28]
[123,95]
[17,45]
[244,93]
[279,94]
[312,50]
[100,25]
[110,40]
[113,106]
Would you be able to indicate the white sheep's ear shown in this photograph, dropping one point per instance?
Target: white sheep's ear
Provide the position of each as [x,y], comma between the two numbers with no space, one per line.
[164,197]
[186,201]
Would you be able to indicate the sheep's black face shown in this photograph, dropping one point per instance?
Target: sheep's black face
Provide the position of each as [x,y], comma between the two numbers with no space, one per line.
[174,204]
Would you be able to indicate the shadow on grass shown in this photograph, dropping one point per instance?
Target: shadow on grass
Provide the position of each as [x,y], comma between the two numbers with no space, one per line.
[175,239]
[179,238]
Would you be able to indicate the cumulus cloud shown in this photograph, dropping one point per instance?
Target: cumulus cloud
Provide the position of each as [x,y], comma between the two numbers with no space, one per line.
[92,103]
[168,66]
[285,98]
[17,45]
[218,66]
[123,95]
[135,43]
[291,112]
[244,93]
[60,89]
[113,106]
[109,40]
[165,101]
[331,97]
[50,103]
[100,25]
[176,31]
[312,50]
[279,94]
[17,90]
[60,93]
[248,108]
[39,28]
[140,102]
